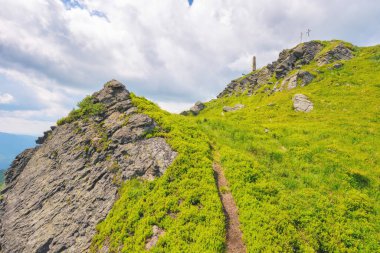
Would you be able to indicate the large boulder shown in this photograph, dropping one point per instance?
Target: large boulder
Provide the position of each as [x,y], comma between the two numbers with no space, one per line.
[301,103]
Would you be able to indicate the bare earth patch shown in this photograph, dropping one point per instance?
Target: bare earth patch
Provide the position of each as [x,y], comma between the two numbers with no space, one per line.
[234,235]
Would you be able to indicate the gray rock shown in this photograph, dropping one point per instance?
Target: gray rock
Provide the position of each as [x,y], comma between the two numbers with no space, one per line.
[57,193]
[199,106]
[194,110]
[301,103]
[288,60]
[338,53]
[301,78]
[231,109]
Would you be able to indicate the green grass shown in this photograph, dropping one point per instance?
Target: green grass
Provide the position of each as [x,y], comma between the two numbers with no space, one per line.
[184,201]
[303,182]
[86,108]
[311,183]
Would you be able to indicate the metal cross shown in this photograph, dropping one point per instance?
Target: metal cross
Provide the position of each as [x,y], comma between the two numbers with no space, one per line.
[308,32]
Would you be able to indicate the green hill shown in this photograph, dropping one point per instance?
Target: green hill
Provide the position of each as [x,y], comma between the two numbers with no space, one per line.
[306,182]
[302,182]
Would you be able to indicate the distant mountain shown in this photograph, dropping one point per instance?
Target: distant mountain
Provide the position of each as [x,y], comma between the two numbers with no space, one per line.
[10,146]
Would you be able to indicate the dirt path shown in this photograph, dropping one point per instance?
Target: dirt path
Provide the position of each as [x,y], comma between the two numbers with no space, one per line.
[234,236]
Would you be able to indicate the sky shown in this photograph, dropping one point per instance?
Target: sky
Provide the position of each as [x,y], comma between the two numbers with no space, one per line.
[174,52]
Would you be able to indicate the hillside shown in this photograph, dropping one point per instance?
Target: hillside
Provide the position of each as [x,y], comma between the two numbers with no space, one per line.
[305,182]
[286,159]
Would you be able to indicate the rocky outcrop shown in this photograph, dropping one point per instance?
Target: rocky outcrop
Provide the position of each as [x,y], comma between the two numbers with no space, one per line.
[199,106]
[301,55]
[299,79]
[340,52]
[232,109]
[288,60]
[56,193]
[194,110]
[301,103]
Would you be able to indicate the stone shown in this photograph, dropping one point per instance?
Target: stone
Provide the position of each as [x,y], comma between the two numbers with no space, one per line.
[231,109]
[338,65]
[194,110]
[157,232]
[301,103]
[301,79]
[199,106]
[56,193]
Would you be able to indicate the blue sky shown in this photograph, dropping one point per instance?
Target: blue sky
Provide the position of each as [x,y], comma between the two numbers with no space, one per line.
[53,53]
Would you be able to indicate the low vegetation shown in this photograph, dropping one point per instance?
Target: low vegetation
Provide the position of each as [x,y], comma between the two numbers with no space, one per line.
[86,108]
[183,202]
[303,182]
[306,182]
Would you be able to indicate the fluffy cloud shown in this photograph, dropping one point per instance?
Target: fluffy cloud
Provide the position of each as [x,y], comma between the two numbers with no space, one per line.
[54,52]
[6,98]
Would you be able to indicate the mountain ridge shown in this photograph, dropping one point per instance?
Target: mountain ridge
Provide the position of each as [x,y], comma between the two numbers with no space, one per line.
[302,179]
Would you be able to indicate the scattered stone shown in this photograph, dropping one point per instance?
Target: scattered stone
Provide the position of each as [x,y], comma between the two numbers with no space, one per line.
[338,65]
[157,232]
[231,109]
[301,103]
[266,130]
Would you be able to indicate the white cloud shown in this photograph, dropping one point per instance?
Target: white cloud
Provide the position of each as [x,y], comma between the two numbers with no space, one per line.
[165,50]
[22,126]
[6,98]
[175,107]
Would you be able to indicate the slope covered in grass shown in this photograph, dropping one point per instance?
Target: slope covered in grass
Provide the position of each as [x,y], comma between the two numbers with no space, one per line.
[183,202]
[306,182]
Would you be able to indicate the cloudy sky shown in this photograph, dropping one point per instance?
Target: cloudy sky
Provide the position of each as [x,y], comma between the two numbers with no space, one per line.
[54,52]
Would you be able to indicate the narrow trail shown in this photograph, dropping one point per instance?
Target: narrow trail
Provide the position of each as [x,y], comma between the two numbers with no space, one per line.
[234,235]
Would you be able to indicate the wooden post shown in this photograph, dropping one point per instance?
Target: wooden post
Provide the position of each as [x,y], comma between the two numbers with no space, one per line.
[254,63]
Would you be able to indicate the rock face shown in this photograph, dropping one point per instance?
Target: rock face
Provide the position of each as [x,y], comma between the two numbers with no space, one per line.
[339,52]
[288,60]
[301,103]
[301,78]
[231,109]
[57,192]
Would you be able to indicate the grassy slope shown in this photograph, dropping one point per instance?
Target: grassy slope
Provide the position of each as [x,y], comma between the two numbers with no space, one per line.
[184,201]
[312,182]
